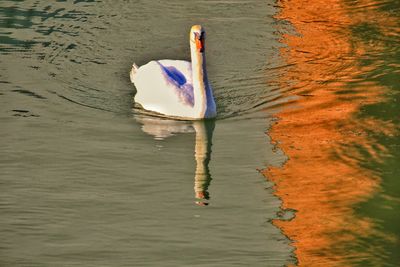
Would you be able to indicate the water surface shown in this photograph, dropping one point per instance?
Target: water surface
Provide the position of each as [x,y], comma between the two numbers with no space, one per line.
[307,94]
[341,133]
[86,181]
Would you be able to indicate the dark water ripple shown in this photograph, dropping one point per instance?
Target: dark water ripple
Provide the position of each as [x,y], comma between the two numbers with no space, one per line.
[86,40]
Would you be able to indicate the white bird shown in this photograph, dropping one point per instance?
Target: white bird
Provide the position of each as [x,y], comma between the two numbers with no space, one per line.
[177,88]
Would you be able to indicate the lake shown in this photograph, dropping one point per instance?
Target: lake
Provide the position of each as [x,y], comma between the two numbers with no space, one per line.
[300,167]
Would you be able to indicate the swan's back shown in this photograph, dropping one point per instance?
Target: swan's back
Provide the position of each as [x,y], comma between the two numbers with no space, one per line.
[165,86]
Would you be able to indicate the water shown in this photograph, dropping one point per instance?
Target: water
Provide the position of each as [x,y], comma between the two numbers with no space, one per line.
[341,133]
[87,181]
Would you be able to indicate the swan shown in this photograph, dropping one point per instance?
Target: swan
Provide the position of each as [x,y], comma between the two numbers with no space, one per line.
[177,88]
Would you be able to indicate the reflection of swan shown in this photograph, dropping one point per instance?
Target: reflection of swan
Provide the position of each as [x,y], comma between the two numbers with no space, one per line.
[202,179]
[163,128]
[177,88]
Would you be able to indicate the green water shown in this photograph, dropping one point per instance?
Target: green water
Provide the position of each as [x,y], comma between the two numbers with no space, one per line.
[88,182]
[383,208]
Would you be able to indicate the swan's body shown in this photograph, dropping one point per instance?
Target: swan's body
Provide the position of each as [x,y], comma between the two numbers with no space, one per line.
[177,88]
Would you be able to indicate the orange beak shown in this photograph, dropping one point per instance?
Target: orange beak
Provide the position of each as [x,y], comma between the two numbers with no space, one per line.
[200,44]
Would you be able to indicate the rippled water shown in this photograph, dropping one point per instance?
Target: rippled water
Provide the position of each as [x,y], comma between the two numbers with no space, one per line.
[86,181]
[341,133]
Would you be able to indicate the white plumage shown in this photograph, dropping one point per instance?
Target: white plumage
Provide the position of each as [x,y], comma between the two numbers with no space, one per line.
[177,88]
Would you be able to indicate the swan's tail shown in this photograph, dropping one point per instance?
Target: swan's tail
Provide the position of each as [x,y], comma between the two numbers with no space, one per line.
[133,72]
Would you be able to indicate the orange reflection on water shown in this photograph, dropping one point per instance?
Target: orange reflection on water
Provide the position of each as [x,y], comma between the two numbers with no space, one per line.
[323,178]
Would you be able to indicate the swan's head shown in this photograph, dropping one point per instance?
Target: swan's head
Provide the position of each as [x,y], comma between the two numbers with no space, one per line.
[197,37]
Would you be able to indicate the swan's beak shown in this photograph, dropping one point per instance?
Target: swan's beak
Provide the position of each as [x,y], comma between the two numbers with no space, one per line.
[200,44]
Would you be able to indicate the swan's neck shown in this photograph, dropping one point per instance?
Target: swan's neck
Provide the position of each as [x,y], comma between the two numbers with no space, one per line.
[201,90]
